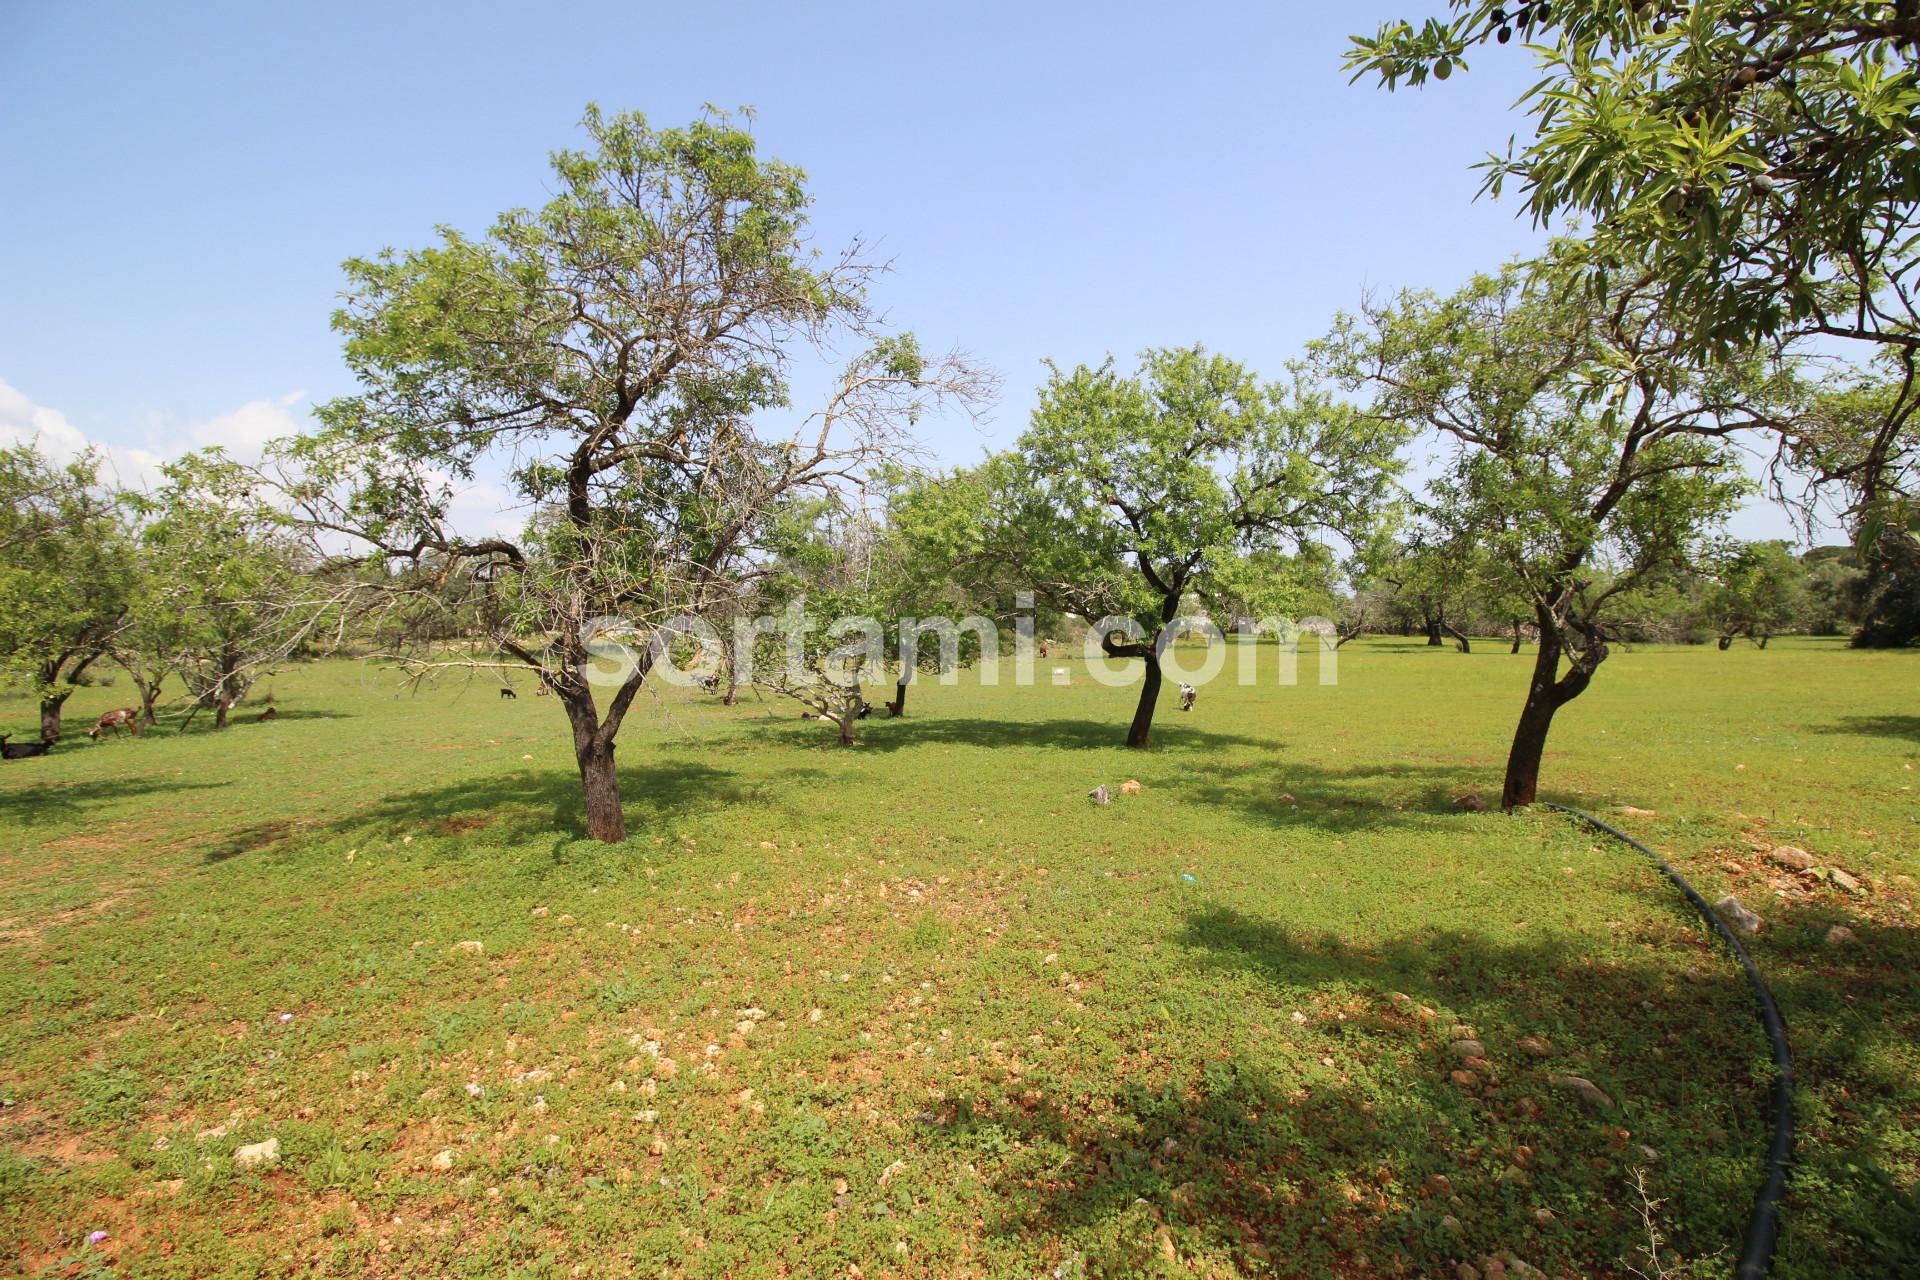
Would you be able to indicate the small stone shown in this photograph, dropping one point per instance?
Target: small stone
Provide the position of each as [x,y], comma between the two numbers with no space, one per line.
[475,1089]
[1100,795]
[892,1171]
[1131,787]
[658,1147]
[444,1160]
[1792,858]
[258,1153]
[1285,797]
[1648,1153]
[1845,881]
[1586,1090]
[1543,1215]
[1737,917]
[1839,936]
[539,913]
[1466,1079]
[1535,1046]
[1298,1018]
[1467,1049]
[1470,803]
[470,948]
[1632,812]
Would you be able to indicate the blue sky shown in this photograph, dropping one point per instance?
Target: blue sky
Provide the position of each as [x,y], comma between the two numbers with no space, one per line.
[1049,181]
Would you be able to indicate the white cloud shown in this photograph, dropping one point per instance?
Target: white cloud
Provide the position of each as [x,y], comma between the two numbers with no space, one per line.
[479,507]
[242,433]
[24,422]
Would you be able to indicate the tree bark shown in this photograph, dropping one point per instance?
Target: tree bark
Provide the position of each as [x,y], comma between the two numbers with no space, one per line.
[50,714]
[593,753]
[220,708]
[1546,694]
[1459,637]
[606,822]
[1726,642]
[1516,637]
[1433,632]
[1141,730]
[898,707]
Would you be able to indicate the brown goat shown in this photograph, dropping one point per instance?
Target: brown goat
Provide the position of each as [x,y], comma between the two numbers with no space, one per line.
[113,721]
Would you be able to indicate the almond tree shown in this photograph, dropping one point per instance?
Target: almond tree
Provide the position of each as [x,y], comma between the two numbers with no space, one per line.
[1586,450]
[619,359]
[66,570]
[1127,492]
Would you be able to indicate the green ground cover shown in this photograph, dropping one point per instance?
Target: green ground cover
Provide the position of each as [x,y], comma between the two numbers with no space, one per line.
[919,1009]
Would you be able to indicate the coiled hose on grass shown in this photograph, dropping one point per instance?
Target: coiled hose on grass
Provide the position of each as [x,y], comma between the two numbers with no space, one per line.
[1756,1258]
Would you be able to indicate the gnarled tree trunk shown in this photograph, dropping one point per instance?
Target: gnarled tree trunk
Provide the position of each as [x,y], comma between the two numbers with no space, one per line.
[1516,637]
[1546,693]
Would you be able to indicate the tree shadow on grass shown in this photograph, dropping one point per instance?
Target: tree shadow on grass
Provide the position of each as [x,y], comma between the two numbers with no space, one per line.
[530,804]
[52,801]
[1351,1169]
[1065,735]
[1290,794]
[1887,726]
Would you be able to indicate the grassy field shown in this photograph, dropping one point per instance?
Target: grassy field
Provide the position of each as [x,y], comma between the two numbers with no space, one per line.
[919,1009]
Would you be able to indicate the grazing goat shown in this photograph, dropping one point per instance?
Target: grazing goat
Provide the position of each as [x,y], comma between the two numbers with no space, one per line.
[113,721]
[21,750]
[1187,694]
[507,693]
[271,713]
[710,683]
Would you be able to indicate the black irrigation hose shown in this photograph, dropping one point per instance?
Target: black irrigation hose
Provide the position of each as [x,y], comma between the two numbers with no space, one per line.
[1757,1257]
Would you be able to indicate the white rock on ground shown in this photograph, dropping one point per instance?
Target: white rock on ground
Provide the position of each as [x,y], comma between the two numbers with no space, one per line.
[1738,918]
[258,1153]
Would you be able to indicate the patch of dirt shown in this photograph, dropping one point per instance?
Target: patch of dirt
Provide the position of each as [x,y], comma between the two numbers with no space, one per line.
[462,824]
[14,929]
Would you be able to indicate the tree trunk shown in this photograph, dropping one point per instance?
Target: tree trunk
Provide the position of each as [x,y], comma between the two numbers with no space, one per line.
[593,753]
[898,707]
[50,714]
[1546,694]
[1459,637]
[733,674]
[220,708]
[1433,632]
[605,820]
[1516,637]
[1142,728]
[1726,642]
[1762,641]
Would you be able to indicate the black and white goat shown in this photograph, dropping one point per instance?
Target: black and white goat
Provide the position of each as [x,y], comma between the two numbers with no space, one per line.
[1187,694]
